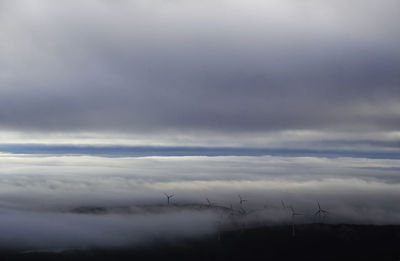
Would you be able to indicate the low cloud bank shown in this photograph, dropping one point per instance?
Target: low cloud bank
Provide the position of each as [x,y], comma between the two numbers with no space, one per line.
[85,201]
[28,230]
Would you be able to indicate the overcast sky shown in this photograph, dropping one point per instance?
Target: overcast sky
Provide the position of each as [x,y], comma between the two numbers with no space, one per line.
[288,75]
[199,69]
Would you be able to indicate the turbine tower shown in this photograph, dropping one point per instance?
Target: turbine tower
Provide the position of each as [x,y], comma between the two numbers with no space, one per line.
[283,204]
[294,213]
[242,211]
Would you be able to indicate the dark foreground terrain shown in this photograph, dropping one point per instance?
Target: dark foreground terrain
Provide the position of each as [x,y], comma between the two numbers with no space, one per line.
[312,242]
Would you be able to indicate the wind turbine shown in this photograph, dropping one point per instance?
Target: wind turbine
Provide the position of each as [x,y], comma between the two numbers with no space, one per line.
[241,200]
[294,213]
[321,213]
[242,211]
[283,204]
[168,197]
[209,203]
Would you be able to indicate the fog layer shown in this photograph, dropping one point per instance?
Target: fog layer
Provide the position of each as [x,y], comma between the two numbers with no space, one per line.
[83,201]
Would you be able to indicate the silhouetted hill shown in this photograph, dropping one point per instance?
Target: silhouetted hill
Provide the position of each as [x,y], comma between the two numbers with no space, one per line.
[312,242]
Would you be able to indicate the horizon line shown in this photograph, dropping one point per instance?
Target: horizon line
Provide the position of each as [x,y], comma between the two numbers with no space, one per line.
[142,151]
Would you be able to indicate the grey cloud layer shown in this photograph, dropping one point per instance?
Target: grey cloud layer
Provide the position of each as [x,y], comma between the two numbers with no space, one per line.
[158,65]
[72,180]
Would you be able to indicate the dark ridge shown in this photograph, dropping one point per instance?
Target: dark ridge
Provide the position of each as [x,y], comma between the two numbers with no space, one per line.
[89,210]
[312,242]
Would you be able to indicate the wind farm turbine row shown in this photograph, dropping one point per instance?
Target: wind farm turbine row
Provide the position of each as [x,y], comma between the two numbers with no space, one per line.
[319,216]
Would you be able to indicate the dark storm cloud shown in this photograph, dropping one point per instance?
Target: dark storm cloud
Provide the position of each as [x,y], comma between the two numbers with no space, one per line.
[140,66]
